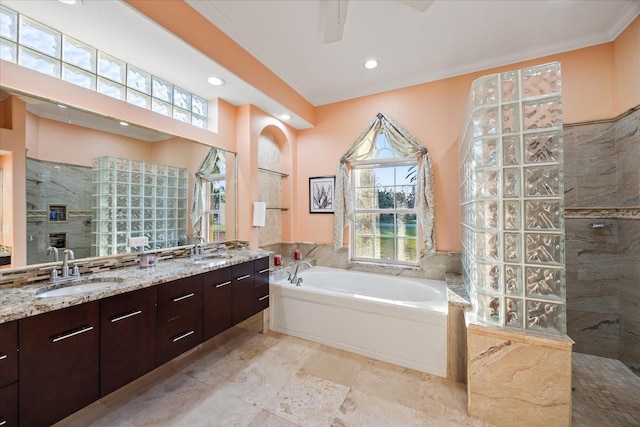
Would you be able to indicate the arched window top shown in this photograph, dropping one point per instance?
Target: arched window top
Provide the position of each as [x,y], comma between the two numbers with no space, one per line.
[385,141]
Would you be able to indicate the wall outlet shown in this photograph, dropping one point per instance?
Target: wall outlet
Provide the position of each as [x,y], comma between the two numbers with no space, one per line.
[136,242]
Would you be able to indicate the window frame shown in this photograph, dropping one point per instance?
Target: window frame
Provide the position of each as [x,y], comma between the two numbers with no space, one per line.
[374,164]
[211,236]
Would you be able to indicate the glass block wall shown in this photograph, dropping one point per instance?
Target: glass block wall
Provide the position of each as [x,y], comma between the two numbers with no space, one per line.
[134,199]
[512,201]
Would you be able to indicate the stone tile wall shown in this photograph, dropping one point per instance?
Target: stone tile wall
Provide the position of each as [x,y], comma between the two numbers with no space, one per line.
[602,185]
[431,267]
[52,183]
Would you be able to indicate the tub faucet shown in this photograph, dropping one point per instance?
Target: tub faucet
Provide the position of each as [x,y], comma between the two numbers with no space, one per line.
[53,251]
[294,279]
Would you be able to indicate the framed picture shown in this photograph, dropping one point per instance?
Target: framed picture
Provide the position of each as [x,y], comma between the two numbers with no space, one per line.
[322,190]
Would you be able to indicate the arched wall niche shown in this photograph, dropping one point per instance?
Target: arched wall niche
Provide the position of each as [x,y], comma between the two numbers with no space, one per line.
[274,154]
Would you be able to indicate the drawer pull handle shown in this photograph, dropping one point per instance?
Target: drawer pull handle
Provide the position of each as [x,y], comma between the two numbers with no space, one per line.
[223,284]
[3,422]
[183,297]
[125,316]
[264,271]
[4,356]
[263,298]
[246,276]
[186,334]
[72,334]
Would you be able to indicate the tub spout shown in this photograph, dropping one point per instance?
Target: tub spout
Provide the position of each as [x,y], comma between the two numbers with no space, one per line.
[294,279]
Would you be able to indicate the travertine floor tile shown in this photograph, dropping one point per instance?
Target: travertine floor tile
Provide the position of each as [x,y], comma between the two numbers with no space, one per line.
[266,419]
[217,410]
[390,382]
[360,409]
[335,365]
[307,400]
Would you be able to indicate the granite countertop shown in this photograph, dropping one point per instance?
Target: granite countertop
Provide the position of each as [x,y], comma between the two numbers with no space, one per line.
[19,302]
[457,292]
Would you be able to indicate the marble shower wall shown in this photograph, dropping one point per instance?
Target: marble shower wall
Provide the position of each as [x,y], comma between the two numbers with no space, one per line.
[51,183]
[602,186]
[270,188]
[431,267]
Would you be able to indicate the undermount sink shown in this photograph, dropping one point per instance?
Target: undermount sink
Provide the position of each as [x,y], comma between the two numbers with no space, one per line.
[76,286]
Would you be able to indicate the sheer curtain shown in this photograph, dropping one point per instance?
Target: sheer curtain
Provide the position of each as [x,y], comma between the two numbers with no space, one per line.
[211,167]
[405,145]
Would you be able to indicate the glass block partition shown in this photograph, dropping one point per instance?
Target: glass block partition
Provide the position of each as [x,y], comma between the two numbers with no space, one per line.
[512,200]
[133,199]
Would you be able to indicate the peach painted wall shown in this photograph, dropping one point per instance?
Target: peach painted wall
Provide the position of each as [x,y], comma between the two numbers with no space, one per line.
[61,142]
[13,163]
[433,113]
[626,68]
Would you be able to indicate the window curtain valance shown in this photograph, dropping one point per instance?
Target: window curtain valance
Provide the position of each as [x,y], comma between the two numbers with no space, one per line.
[405,145]
[211,168]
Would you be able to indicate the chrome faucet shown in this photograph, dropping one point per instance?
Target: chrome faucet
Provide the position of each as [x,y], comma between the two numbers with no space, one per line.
[53,251]
[67,255]
[295,280]
[197,247]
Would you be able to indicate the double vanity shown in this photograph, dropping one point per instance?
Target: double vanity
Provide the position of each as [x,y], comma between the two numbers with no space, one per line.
[80,340]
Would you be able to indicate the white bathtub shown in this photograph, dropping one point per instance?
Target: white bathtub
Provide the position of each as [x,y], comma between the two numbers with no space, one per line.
[395,319]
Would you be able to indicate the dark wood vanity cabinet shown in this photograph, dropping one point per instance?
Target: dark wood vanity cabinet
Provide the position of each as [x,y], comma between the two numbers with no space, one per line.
[179,317]
[127,338]
[250,289]
[9,374]
[217,302]
[261,288]
[242,292]
[59,363]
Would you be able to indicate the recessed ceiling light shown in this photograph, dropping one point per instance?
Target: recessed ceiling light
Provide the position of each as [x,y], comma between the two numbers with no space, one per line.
[215,81]
[285,117]
[68,1]
[124,124]
[371,64]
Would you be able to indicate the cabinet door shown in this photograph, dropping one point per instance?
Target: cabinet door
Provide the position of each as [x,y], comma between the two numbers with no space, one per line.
[242,292]
[261,290]
[9,405]
[179,297]
[177,336]
[127,338]
[59,362]
[8,353]
[217,302]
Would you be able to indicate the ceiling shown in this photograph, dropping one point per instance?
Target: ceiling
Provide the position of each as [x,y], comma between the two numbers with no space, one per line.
[450,38]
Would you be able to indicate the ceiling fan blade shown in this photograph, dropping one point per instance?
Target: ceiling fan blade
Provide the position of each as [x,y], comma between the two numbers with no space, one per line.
[419,5]
[336,15]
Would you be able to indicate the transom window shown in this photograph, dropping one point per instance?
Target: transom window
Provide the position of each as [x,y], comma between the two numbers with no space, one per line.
[33,45]
[385,226]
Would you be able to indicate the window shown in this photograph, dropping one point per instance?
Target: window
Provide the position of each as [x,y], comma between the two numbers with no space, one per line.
[385,226]
[214,212]
[38,47]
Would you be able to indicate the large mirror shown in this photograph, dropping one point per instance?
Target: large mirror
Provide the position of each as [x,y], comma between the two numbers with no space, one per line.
[92,183]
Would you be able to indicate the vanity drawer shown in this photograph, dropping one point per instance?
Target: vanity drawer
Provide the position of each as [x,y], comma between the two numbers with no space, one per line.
[175,337]
[9,405]
[8,353]
[179,297]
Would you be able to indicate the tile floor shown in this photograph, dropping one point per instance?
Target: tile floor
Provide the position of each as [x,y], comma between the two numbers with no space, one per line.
[606,393]
[244,378]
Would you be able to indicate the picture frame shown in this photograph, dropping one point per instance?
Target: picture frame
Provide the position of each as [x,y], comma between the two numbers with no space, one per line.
[322,191]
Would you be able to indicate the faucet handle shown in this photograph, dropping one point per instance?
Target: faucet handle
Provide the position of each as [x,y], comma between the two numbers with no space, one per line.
[54,272]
